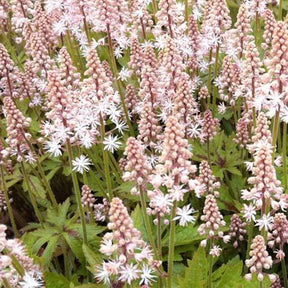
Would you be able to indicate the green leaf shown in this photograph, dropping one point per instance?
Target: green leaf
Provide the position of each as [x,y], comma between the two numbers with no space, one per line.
[226,280]
[184,235]
[50,249]
[234,170]
[36,186]
[91,257]
[196,272]
[138,221]
[53,280]
[58,218]
[76,246]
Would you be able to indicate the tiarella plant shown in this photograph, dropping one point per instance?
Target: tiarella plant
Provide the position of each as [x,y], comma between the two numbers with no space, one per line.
[143,143]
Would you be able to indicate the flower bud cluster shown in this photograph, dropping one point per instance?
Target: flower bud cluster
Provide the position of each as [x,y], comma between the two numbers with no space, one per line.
[259,260]
[237,229]
[124,246]
[279,234]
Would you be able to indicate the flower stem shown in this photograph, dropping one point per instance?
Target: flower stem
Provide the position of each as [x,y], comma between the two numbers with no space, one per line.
[186,10]
[280,10]
[77,192]
[208,152]
[275,132]
[284,155]
[250,236]
[210,263]
[47,185]
[284,272]
[147,222]
[115,72]
[31,195]
[43,177]
[154,7]
[171,244]
[159,243]
[215,75]
[66,261]
[209,77]
[9,207]
[106,161]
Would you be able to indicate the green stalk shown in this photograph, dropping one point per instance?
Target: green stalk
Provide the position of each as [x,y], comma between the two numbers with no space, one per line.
[70,47]
[280,10]
[106,161]
[87,31]
[250,236]
[66,261]
[210,264]
[154,7]
[284,155]
[31,195]
[171,245]
[208,152]
[115,72]
[256,28]
[254,118]
[147,221]
[9,207]
[16,264]
[116,168]
[159,242]
[47,185]
[215,75]
[77,192]
[186,10]
[43,177]
[284,273]
[275,132]
[209,77]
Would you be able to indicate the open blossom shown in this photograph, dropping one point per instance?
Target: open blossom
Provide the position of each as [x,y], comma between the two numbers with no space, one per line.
[184,215]
[215,251]
[249,212]
[111,143]
[266,222]
[81,164]
[31,281]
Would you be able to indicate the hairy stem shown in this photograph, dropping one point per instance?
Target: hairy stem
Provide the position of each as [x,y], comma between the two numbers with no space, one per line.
[275,132]
[147,221]
[43,177]
[284,154]
[106,161]
[280,10]
[7,200]
[31,195]
[116,74]
[77,192]
[209,77]
[250,236]
[215,75]
[171,245]
[210,262]
[186,10]
[284,272]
